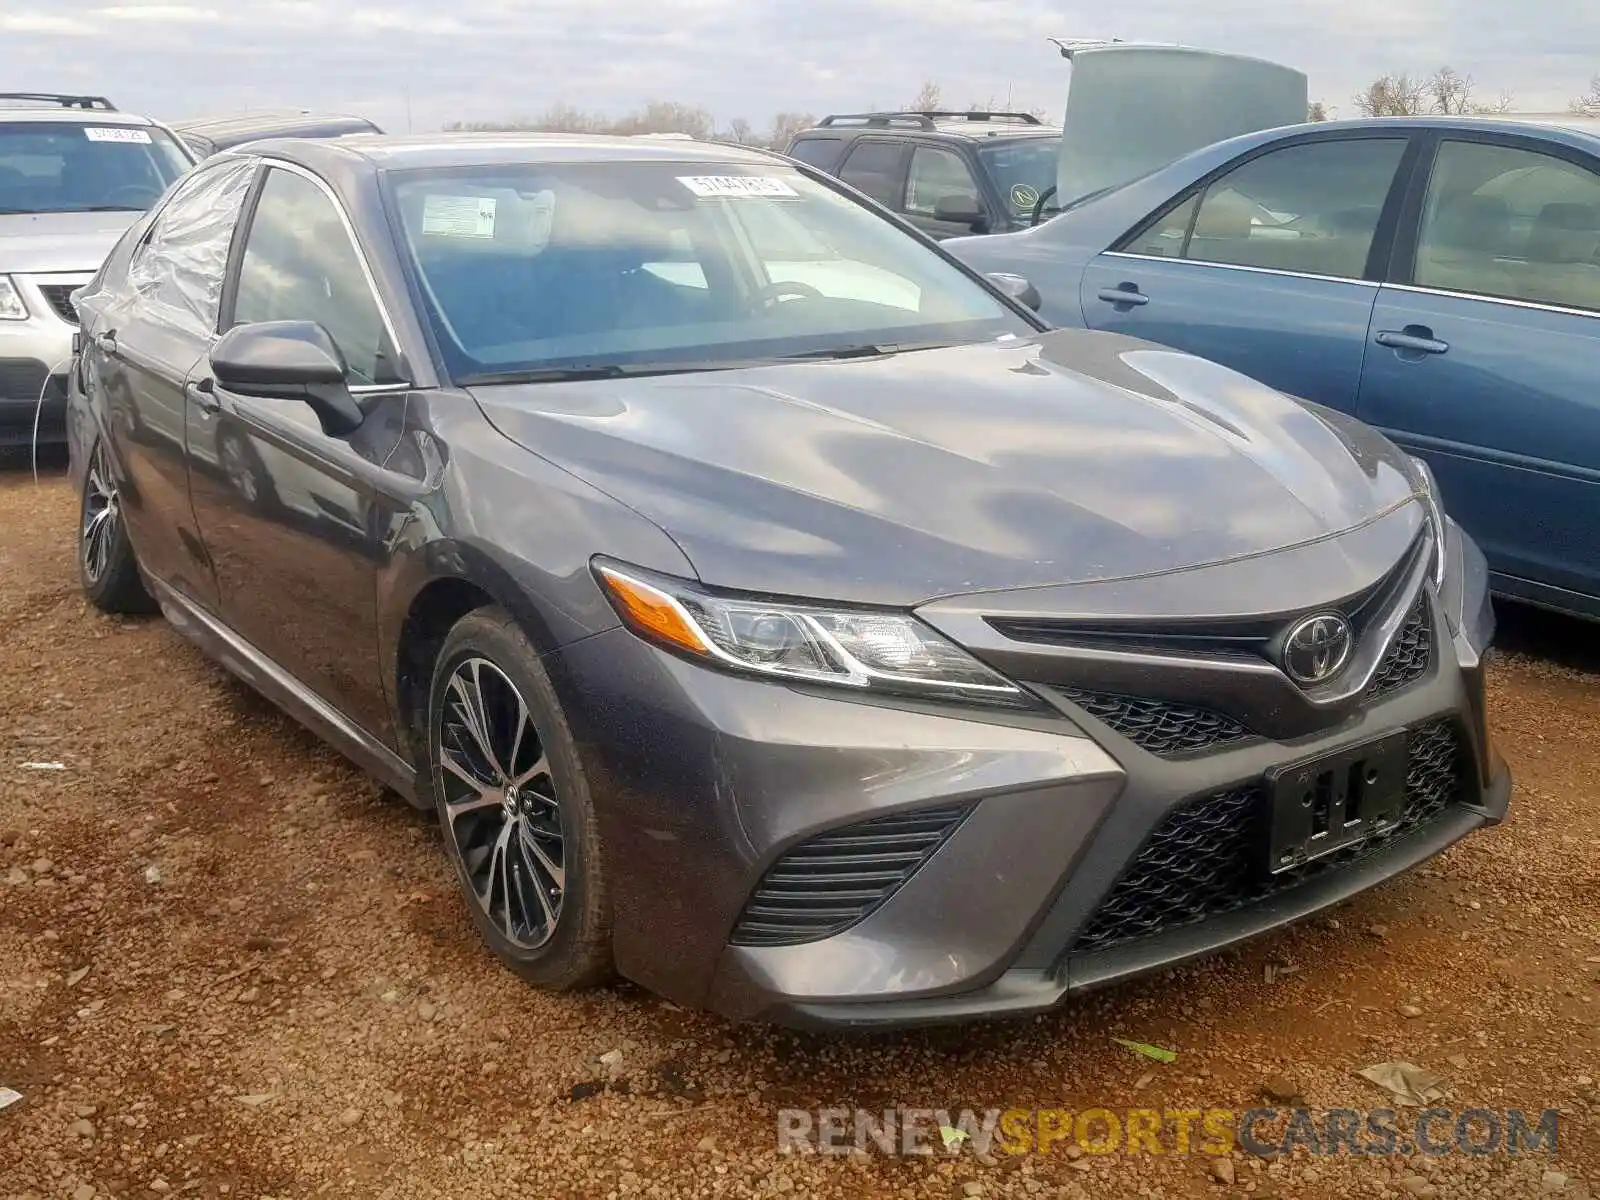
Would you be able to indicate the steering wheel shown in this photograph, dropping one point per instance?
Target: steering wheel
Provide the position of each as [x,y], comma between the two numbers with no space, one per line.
[773,293]
[135,193]
[1038,205]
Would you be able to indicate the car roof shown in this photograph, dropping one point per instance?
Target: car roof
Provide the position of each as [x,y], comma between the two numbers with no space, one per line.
[265,122]
[74,116]
[1575,130]
[401,152]
[976,125]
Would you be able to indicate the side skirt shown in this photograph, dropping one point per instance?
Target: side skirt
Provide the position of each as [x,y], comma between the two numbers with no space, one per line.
[288,693]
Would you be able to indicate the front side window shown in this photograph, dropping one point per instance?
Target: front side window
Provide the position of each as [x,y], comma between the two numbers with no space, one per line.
[1312,209]
[1513,224]
[70,166]
[873,168]
[180,265]
[552,265]
[935,174]
[300,264]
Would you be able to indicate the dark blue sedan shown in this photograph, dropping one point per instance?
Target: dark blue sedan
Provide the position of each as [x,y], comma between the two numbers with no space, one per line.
[1437,277]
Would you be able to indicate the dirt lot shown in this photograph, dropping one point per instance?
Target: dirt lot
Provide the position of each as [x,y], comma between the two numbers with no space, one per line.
[230,966]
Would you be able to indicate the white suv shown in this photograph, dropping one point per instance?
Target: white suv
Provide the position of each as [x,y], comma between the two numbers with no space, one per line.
[74,174]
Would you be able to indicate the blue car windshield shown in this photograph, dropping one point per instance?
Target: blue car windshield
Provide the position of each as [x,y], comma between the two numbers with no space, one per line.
[74,166]
[530,267]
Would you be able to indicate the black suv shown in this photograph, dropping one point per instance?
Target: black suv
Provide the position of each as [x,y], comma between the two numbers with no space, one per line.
[950,173]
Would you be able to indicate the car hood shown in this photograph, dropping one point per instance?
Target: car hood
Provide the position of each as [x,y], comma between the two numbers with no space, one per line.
[39,243]
[1074,457]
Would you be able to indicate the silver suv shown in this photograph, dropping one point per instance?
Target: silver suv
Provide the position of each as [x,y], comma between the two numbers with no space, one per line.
[74,174]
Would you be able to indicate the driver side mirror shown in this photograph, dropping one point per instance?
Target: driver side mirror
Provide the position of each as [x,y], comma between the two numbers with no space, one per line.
[288,360]
[1018,288]
[960,208]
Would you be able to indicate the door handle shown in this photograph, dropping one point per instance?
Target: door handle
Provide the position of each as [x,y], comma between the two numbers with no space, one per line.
[204,396]
[1127,293]
[106,342]
[1416,338]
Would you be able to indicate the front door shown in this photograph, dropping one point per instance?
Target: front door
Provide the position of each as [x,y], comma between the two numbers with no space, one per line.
[296,520]
[940,174]
[1263,269]
[1483,358]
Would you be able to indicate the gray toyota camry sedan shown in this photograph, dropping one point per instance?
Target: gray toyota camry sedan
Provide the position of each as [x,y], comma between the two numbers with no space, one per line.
[772,611]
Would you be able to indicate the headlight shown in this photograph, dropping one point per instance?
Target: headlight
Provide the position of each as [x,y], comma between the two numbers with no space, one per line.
[868,649]
[1430,497]
[11,306]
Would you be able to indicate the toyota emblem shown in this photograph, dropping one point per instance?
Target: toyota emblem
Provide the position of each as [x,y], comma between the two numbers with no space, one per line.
[1317,648]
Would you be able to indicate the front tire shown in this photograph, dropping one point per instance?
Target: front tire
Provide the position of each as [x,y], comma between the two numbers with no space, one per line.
[514,806]
[107,568]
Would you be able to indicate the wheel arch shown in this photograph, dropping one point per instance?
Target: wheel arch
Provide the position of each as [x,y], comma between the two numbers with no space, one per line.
[432,594]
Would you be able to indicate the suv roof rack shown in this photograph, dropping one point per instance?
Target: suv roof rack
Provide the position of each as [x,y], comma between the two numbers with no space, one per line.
[925,118]
[65,101]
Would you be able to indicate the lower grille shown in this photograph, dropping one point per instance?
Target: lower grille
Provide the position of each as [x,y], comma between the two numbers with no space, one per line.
[59,297]
[22,378]
[1410,656]
[832,881]
[1163,728]
[1209,857]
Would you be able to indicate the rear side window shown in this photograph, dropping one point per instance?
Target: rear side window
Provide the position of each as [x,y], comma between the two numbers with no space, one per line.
[1312,209]
[819,152]
[301,265]
[1511,223]
[875,168]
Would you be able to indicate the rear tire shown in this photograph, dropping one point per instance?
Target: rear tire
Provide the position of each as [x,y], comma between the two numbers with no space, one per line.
[107,567]
[514,806]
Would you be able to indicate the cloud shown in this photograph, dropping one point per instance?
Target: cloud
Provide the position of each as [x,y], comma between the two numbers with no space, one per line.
[501,58]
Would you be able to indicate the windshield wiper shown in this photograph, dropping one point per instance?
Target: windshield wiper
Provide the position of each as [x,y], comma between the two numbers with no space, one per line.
[585,371]
[866,350]
[111,208]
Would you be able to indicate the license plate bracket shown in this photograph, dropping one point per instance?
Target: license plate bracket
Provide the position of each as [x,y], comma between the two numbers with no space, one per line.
[1326,803]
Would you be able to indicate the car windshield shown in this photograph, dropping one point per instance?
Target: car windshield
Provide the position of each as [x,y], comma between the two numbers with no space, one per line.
[72,166]
[1023,169]
[535,267]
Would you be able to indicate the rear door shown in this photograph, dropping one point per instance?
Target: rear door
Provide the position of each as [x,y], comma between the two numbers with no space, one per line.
[1268,266]
[1485,352]
[147,330]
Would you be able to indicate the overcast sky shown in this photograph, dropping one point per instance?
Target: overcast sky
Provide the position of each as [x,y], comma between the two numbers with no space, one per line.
[485,59]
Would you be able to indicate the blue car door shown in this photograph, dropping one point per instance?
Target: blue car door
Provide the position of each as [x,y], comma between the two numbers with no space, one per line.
[1269,266]
[1484,354]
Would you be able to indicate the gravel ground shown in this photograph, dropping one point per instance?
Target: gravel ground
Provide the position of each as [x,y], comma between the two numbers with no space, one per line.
[230,966]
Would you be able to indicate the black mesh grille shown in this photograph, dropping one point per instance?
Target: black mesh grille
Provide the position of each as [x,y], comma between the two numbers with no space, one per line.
[22,378]
[826,884]
[1409,657]
[1209,857]
[1161,727]
[59,297]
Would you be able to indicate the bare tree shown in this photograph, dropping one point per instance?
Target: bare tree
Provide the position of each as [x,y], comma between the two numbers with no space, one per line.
[1393,96]
[928,98]
[659,116]
[785,125]
[1317,111]
[1588,104]
[1449,92]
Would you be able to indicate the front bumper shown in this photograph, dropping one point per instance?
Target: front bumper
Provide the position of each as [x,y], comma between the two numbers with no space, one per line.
[35,355]
[716,794]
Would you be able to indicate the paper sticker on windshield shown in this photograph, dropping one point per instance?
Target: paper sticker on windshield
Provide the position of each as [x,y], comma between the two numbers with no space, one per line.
[1023,197]
[100,133]
[459,216]
[717,187]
